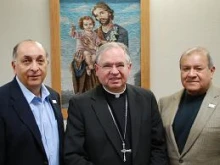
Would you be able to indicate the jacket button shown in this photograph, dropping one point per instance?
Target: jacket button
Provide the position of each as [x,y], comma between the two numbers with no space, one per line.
[180,161]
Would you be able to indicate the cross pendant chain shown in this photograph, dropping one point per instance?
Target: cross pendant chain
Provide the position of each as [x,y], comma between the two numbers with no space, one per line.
[124,151]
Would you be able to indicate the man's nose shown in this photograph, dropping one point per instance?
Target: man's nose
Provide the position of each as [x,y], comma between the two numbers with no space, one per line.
[114,70]
[34,66]
[192,72]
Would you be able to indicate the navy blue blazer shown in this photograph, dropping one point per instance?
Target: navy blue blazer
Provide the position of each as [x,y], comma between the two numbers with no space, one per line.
[20,138]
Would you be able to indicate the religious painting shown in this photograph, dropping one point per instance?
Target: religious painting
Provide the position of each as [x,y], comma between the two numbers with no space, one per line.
[77,19]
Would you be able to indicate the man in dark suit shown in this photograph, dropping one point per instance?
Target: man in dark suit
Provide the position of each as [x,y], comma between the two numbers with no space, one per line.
[31,124]
[114,123]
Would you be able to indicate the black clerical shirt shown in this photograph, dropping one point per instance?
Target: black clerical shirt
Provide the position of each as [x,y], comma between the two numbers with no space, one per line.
[117,106]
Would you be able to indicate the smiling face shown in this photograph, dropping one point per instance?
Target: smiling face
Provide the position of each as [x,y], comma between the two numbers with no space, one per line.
[30,65]
[113,69]
[103,16]
[88,25]
[196,74]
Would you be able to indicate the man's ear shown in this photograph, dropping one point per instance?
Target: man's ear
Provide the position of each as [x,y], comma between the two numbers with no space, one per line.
[129,65]
[212,71]
[13,66]
[96,67]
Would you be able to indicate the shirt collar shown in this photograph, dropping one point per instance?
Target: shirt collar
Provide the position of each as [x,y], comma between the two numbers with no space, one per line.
[117,95]
[29,95]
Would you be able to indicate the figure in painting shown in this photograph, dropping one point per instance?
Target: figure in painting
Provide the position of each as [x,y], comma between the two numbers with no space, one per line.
[108,30]
[82,66]
[87,42]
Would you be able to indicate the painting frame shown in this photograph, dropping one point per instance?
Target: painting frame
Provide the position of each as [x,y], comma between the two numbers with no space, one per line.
[55,41]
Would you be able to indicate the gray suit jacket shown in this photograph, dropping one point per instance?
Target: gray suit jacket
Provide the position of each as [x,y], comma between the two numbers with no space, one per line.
[203,144]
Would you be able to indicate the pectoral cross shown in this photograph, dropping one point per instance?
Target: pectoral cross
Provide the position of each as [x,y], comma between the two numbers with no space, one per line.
[124,151]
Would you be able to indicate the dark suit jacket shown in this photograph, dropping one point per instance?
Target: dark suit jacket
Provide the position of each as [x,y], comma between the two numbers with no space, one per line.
[20,138]
[92,138]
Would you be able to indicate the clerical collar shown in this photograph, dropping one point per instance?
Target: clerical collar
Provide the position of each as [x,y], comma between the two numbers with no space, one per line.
[117,95]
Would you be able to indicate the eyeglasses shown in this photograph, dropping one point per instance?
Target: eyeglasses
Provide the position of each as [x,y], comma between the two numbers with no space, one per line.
[108,66]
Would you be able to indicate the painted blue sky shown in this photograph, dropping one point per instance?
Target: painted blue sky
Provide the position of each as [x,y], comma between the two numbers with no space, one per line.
[107,1]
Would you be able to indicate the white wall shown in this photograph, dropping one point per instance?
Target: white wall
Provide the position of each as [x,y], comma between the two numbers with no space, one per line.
[175,26]
[19,20]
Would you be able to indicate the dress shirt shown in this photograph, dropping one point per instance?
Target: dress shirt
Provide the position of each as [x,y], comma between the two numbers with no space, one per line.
[46,121]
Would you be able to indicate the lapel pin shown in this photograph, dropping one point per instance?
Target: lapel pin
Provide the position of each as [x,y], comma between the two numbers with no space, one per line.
[54,101]
[212,105]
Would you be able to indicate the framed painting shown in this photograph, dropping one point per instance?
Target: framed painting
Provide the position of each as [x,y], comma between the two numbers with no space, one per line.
[65,15]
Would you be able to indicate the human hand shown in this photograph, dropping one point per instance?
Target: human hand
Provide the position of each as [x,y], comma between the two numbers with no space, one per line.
[78,57]
[72,30]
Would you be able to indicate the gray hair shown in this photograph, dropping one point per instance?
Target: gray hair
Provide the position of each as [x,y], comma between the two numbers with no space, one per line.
[15,49]
[200,50]
[110,45]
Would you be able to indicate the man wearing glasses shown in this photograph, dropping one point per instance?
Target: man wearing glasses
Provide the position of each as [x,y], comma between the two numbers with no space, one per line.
[114,123]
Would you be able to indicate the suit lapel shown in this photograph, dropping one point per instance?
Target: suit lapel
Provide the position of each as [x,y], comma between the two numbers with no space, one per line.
[204,114]
[57,112]
[171,116]
[101,109]
[56,109]
[174,109]
[55,103]
[23,110]
[135,108]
